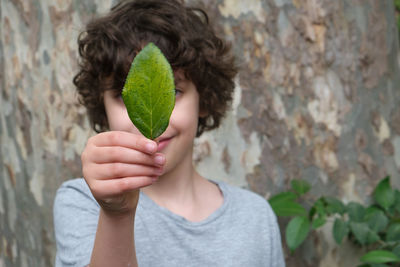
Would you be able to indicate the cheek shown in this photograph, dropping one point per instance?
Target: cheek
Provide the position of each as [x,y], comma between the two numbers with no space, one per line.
[118,118]
[186,120]
[185,116]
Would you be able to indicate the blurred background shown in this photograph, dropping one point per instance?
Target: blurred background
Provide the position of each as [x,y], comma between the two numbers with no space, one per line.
[317,98]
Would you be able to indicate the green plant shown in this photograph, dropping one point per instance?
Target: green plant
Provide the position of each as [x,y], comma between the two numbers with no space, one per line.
[397,11]
[375,227]
[149,91]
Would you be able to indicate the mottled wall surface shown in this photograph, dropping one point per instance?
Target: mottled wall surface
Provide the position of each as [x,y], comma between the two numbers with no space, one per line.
[317,98]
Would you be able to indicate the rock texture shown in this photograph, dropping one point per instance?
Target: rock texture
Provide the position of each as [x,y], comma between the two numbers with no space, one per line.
[317,98]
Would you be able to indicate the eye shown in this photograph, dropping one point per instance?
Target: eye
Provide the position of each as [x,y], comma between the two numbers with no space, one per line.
[117,93]
[178,92]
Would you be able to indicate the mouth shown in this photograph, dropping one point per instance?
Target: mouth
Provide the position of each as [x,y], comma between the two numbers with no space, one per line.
[162,143]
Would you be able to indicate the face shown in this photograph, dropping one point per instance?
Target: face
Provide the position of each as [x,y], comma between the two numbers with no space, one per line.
[177,141]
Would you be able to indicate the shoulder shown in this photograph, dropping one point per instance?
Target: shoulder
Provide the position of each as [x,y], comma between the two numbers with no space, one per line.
[248,202]
[74,205]
[77,184]
[75,215]
[74,192]
[245,196]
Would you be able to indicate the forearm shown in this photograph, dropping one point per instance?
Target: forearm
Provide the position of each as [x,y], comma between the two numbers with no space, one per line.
[114,244]
[116,165]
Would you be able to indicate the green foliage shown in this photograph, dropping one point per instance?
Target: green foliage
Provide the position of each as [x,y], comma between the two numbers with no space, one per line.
[393,233]
[301,187]
[340,230]
[397,9]
[397,4]
[333,205]
[376,227]
[380,256]
[148,93]
[376,219]
[297,231]
[284,205]
[356,211]
[384,194]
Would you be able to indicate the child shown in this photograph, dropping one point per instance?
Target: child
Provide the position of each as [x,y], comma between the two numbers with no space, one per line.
[141,202]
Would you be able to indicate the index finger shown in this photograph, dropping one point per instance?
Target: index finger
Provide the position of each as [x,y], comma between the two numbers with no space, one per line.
[125,139]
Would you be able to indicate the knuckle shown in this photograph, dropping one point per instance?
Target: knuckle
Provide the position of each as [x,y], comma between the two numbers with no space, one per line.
[90,142]
[94,188]
[140,143]
[87,172]
[84,170]
[114,153]
[143,158]
[88,154]
[114,137]
[83,156]
[116,169]
[123,185]
[85,153]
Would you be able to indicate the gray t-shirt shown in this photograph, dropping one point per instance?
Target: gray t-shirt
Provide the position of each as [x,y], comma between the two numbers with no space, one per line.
[242,232]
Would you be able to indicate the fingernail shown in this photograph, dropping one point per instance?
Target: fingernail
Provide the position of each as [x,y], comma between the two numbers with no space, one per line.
[154,179]
[151,147]
[159,159]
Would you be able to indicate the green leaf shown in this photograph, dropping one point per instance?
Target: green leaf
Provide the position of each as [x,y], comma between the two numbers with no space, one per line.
[148,92]
[397,200]
[288,208]
[393,233]
[376,219]
[318,208]
[373,265]
[363,234]
[380,256]
[396,250]
[340,230]
[356,211]
[297,231]
[397,4]
[333,205]
[282,197]
[300,186]
[318,222]
[384,194]
[372,237]
[360,231]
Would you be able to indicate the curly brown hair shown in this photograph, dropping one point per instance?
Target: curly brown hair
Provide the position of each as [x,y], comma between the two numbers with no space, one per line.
[109,43]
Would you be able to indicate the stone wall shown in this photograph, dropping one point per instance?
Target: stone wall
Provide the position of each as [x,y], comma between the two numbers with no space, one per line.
[316,98]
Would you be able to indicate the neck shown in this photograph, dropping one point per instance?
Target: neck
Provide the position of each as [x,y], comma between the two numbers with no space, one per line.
[184,192]
[175,186]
